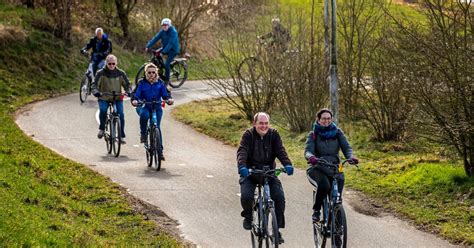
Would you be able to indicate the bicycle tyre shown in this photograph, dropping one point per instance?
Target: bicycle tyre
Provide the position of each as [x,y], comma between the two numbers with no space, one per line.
[149,147]
[118,136]
[178,74]
[257,223]
[319,232]
[339,229]
[83,89]
[250,69]
[107,135]
[158,151]
[140,74]
[272,238]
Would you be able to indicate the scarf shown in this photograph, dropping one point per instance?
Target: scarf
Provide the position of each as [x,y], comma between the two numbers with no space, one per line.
[328,132]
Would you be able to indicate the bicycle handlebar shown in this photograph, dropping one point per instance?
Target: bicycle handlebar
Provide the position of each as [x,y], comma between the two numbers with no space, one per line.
[267,173]
[324,162]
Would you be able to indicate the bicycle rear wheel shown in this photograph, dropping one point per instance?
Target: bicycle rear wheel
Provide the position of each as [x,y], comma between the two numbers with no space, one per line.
[117,137]
[319,229]
[157,150]
[250,69]
[108,136]
[339,229]
[272,238]
[84,88]
[178,74]
[140,74]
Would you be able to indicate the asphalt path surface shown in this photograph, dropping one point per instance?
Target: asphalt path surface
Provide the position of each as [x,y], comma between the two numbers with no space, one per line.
[198,182]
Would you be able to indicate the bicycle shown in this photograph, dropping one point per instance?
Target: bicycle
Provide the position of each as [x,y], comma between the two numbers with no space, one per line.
[178,69]
[86,81]
[264,221]
[334,222]
[113,125]
[153,143]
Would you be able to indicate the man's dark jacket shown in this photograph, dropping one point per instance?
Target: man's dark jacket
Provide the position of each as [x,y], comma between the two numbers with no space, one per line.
[100,48]
[256,151]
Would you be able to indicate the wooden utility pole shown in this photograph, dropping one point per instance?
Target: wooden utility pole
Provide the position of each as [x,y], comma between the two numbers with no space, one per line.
[333,83]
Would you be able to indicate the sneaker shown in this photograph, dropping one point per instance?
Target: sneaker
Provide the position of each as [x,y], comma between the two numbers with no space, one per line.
[123,141]
[281,238]
[142,138]
[316,216]
[100,134]
[247,224]
[162,157]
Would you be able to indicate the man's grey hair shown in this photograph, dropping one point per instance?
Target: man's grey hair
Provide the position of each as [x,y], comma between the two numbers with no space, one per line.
[97,30]
[255,117]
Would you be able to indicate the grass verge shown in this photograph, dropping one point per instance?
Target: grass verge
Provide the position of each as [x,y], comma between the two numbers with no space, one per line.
[422,187]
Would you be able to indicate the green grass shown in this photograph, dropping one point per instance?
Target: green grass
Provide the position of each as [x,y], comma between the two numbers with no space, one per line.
[47,200]
[427,189]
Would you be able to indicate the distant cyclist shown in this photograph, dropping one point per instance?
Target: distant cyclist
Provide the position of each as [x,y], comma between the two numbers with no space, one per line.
[150,88]
[170,43]
[107,80]
[101,47]
[279,38]
[324,142]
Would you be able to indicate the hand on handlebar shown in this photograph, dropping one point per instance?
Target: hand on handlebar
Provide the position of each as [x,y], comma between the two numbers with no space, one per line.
[289,169]
[170,101]
[243,171]
[134,103]
[353,160]
[313,160]
[97,94]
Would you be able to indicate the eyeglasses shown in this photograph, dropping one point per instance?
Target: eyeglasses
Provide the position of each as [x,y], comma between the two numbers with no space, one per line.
[326,118]
[110,63]
[151,72]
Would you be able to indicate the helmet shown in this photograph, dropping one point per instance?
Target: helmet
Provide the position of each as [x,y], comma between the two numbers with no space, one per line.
[166,21]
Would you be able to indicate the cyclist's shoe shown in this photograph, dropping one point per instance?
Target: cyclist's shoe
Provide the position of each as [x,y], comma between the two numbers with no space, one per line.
[162,157]
[316,216]
[142,138]
[281,238]
[247,224]
[100,134]
[123,141]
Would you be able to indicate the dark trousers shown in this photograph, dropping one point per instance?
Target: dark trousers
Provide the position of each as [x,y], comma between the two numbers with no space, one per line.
[247,189]
[321,181]
[168,61]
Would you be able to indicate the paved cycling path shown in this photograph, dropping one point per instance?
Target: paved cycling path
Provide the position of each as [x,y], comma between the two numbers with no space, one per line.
[198,183]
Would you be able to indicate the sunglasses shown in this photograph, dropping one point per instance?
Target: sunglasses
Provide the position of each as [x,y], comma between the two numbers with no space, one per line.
[110,63]
[151,72]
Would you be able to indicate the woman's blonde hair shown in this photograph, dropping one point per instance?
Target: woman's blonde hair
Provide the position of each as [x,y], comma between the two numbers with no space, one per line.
[150,65]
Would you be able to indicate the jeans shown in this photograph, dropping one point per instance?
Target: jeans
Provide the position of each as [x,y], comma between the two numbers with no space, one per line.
[168,61]
[103,105]
[247,189]
[145,115]
[97,65]
[321,181]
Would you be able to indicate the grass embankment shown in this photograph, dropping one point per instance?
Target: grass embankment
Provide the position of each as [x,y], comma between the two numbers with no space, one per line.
[427,189]
[47,200]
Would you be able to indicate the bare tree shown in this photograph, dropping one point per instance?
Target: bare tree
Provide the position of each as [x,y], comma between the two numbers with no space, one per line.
[438,58]
[60,11]
[358,24]
[124,7]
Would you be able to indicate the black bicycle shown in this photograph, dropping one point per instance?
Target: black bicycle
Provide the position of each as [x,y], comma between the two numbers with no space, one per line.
[264,221]
[334,222]
[112,135]
[86,81]
[178,69]
[153,144]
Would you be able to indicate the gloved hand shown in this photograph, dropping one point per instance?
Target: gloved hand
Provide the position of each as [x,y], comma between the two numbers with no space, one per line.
[289,169]
[313,160]
[354,160]
[129,94]
[243,171]
[84,51]
[97,94]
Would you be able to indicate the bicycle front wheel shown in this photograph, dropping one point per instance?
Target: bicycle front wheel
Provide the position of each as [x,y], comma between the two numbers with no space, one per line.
[116,136]
[149,147]
[339,229]
[272,238]
[157,150]
[84,88]
[108,135]
[140,74]
[178,74]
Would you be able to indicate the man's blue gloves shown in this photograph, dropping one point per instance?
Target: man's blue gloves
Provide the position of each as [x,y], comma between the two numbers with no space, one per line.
[289,169]
[243,171]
